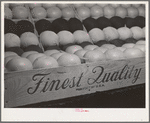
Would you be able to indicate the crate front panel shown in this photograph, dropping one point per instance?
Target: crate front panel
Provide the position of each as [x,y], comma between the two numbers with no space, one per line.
[29,87]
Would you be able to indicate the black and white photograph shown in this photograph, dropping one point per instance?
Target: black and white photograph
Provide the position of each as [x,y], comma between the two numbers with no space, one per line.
[75,61]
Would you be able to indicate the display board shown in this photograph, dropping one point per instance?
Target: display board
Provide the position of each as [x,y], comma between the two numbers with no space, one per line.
[34,86]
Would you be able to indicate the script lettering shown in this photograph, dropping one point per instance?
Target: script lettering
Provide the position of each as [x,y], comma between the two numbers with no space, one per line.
[44,83]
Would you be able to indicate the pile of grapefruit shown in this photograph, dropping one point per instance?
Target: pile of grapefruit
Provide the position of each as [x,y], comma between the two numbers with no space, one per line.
[52,11]
[99,32]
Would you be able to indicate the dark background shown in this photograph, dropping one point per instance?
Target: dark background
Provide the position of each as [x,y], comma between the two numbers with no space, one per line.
[128,97]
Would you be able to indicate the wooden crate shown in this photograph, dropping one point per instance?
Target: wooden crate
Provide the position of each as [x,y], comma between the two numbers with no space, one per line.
[42,85]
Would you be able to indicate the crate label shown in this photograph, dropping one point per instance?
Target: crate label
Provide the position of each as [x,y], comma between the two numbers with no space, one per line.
[44,80]
[53,84]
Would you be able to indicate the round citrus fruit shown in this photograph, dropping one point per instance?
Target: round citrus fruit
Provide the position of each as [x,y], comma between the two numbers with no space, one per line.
[133,53]
[8,13]
[68,59]
[68,13]
[18,64]
[20,12]
[25,54]
[34,56]
[65,37]
[110,33]
[114,54]
[93,56]
[81,36]
[96,35]
[45,62]
[54,12]
[128,45]
[39,12]
[49,38]
[72,49]
[109,11]
[11,40]
[29,38]
[83,12]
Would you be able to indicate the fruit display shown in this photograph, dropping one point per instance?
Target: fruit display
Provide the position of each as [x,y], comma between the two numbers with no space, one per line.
[51,11]
[16,11]
[55,35]
[54,51]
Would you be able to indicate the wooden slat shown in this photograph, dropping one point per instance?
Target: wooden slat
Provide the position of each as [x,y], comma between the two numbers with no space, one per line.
[64,82]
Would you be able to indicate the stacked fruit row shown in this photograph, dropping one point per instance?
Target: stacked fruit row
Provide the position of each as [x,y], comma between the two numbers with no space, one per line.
[114,30]
[73,55]
[51,11]
[16,11]
[66,43]
[109,10]
[114,24]
[38,11]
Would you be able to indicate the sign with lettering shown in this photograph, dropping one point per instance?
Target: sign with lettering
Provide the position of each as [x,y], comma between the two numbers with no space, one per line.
[28,87]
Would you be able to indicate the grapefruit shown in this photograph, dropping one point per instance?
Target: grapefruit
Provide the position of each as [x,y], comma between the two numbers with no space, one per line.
[93,56]
[124,33]
[65,37]
[133,53]
[121,12]
[18,64]
[132,12]
[28,38]
[45,62]
[96,35]
[72,49]
[11,40]
[68,59]
[68,13]
[96,11]
[8,13]
[90,47]
[114,54]
[9,53]
[49,38]
[8,58]
[140,46]
[20,12]
[108,46]
[137,32]
[25,54]
[83,12]
[141,42]
[128,45]
[54,12]
[81,36]
[110,33]
[141,10]
[109,11]
[34,56]
[39,12]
